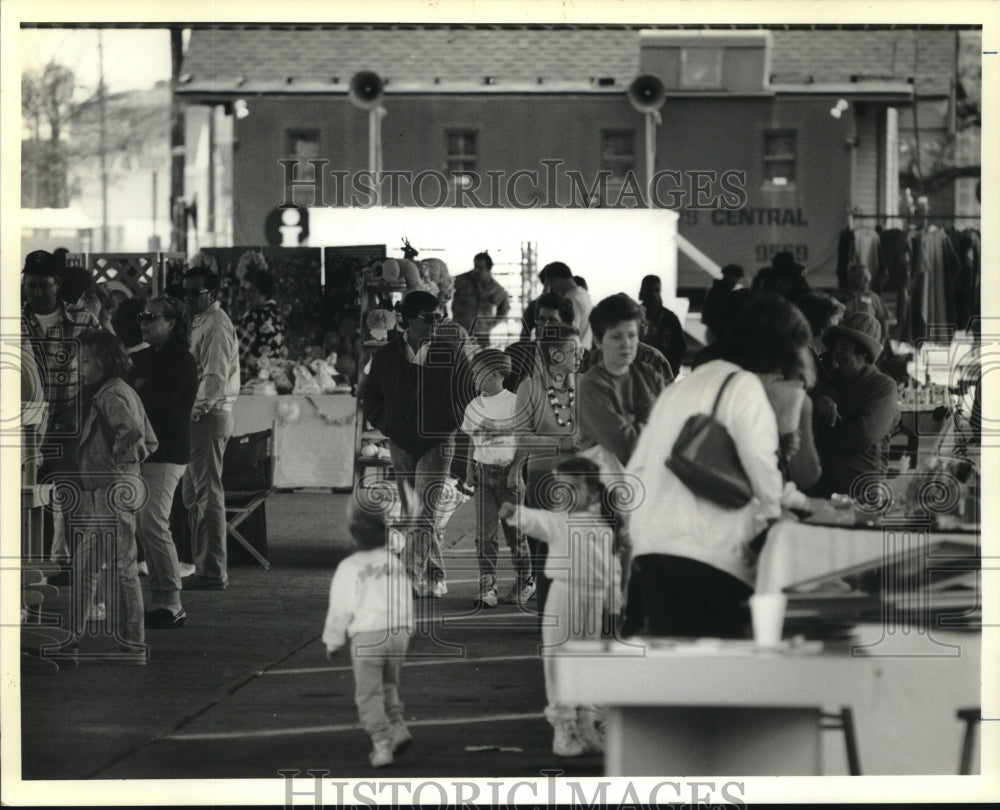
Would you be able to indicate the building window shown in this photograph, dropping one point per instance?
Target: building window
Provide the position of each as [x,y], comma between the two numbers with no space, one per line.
[618,158]
[461,160]
[302,143]
[701,68]
[780,158]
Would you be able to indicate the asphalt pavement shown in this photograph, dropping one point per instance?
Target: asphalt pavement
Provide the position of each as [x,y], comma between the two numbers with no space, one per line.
[244,691]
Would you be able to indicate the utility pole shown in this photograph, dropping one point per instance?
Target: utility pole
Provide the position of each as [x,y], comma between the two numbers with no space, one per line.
[103,143]
[178,212]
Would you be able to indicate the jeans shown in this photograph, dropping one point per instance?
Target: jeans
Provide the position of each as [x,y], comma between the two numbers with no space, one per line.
[425,474]
[204,496]
[377,657]
[491,491]
[153,523]
[103,535]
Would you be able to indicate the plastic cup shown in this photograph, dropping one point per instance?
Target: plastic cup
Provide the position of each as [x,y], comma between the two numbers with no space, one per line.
[767,614]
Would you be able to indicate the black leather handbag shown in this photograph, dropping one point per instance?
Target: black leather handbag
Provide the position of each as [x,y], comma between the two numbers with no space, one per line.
[704,457]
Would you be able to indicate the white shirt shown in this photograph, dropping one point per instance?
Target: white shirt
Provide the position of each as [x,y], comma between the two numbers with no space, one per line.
[50,320]
[215,347]
[490,422]
[370,591]
[669,518]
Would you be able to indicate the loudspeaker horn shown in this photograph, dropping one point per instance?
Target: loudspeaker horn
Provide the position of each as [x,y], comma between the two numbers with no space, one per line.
[647,93]
[366,90]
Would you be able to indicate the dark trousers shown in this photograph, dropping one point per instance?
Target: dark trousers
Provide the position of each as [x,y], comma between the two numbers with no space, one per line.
[685,597]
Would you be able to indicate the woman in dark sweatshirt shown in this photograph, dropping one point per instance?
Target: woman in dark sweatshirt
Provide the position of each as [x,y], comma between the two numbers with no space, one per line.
[166,379]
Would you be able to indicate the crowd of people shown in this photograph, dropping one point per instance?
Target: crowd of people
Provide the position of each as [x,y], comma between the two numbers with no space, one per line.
[586,403]
[567,431]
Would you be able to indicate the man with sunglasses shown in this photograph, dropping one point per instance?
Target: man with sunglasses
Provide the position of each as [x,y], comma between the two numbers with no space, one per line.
[216,349]
[416,393]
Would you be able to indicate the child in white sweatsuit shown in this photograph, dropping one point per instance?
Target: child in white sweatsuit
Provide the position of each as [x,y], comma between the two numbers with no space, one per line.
[585,590]
[371,604]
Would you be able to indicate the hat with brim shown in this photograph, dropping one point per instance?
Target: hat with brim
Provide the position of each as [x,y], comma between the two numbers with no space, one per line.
[860,327]
[42,263]
[784,262]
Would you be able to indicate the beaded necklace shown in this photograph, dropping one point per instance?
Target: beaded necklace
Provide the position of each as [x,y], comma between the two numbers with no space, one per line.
[557,406]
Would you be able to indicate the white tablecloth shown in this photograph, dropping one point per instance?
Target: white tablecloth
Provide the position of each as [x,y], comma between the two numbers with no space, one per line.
[796,552]
[309,452]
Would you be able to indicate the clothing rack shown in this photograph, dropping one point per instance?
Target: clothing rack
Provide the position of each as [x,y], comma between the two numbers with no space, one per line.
[909,219]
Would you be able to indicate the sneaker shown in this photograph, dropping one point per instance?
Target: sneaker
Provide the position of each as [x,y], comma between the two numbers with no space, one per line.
[164,619]
[565,742]
[521,592]
[421,590]
[439,589]
[381,754]
[590,730]
[143,569]
[400,739]
[186,569]
[487,597]
[98,612]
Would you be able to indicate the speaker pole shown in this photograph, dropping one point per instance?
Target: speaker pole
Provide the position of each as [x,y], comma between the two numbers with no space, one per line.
[373,149]
[650,155]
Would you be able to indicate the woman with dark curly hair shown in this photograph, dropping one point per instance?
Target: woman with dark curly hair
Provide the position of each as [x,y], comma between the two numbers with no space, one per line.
[166,378]
[697,573]
[115,439]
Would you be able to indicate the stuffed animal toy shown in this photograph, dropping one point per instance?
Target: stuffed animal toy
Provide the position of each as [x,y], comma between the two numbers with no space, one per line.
[380,322]
[323,373]
[305,383]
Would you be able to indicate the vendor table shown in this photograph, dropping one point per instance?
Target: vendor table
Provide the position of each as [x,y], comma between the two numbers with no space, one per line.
[796,552]
[313,436]
[709,707]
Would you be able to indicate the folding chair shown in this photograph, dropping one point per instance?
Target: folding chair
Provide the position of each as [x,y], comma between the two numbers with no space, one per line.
[247,480]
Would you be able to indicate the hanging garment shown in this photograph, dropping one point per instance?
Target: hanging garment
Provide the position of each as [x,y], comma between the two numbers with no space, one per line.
[967,287]
[898,262]
[868,251]
[933,288]
[845,250]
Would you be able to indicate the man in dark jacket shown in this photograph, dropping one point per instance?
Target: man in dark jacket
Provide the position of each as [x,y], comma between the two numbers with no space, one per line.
[416,393]
[856,410]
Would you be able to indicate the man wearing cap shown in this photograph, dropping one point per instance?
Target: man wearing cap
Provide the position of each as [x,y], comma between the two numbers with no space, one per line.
[856,409]
[416,393]
[52,328]
[216,349]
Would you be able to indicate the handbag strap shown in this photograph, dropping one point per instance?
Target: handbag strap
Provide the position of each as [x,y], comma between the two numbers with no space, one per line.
[718,397]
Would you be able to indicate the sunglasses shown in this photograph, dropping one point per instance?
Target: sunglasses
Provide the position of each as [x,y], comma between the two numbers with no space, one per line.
[429,317]
[194,293]
[148,317]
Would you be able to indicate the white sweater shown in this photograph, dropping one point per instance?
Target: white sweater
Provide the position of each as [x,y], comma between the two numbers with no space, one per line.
[580,549]
[370,591]
[669,518]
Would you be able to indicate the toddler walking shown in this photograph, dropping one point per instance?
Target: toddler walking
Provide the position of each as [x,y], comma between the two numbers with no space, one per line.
[489,421]
[371,605]
[584,595]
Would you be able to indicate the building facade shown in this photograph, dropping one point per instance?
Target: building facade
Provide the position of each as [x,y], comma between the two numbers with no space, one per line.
[768,140]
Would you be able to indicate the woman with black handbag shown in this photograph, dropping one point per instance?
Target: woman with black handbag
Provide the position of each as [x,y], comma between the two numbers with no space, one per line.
[708,459]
